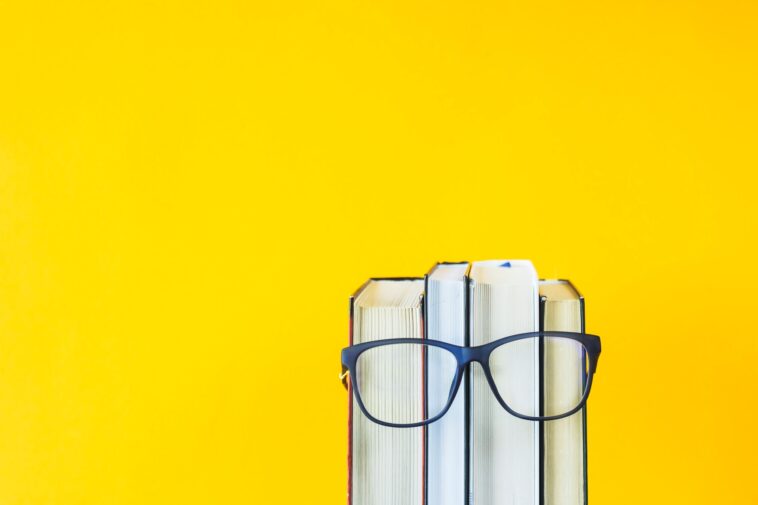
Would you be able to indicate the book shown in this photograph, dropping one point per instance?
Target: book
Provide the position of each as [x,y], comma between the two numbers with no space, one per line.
[564,461]
[445,300]
[504,450]
[386,465]
[477,453]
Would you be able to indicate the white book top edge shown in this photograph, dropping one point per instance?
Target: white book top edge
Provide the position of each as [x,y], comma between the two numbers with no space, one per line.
[504,271]
[449,272]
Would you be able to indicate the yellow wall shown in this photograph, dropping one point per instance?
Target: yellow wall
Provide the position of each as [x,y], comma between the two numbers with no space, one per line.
[189,193]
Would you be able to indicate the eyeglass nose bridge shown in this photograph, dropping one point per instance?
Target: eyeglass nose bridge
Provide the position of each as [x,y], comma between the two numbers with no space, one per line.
[474,354]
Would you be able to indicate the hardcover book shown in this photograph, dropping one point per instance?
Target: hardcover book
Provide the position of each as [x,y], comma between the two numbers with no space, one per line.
[447,442]
[504,450]
[564,440]
[386,465]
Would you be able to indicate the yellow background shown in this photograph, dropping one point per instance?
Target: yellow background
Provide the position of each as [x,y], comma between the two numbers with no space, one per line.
[189,193]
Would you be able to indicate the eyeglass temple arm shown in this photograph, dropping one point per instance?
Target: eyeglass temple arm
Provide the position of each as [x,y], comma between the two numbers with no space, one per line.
[344,375]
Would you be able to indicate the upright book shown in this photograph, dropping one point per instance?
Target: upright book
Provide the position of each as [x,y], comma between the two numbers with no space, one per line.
[386,465]
[504,450]
[445,303]
[564,462]
[480,452]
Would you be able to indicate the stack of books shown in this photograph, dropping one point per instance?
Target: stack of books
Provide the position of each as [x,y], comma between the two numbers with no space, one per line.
[425,431]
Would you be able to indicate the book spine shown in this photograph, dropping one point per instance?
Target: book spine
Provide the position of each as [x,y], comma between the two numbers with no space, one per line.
[424,432]
[470,283]
[350,415]
[467,392]
[541,476]
[584,411]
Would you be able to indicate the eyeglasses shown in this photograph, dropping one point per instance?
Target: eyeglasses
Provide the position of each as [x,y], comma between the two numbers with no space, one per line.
[409,382]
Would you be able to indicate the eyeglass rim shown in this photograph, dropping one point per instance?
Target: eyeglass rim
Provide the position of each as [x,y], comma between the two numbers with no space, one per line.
[465,356]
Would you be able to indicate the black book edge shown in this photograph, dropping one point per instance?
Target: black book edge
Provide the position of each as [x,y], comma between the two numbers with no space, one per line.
[350,401]
[469,390]
[541,424]
[584,409]
[425,336]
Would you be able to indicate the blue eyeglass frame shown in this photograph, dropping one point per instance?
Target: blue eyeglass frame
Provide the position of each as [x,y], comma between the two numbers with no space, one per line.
[464,356]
